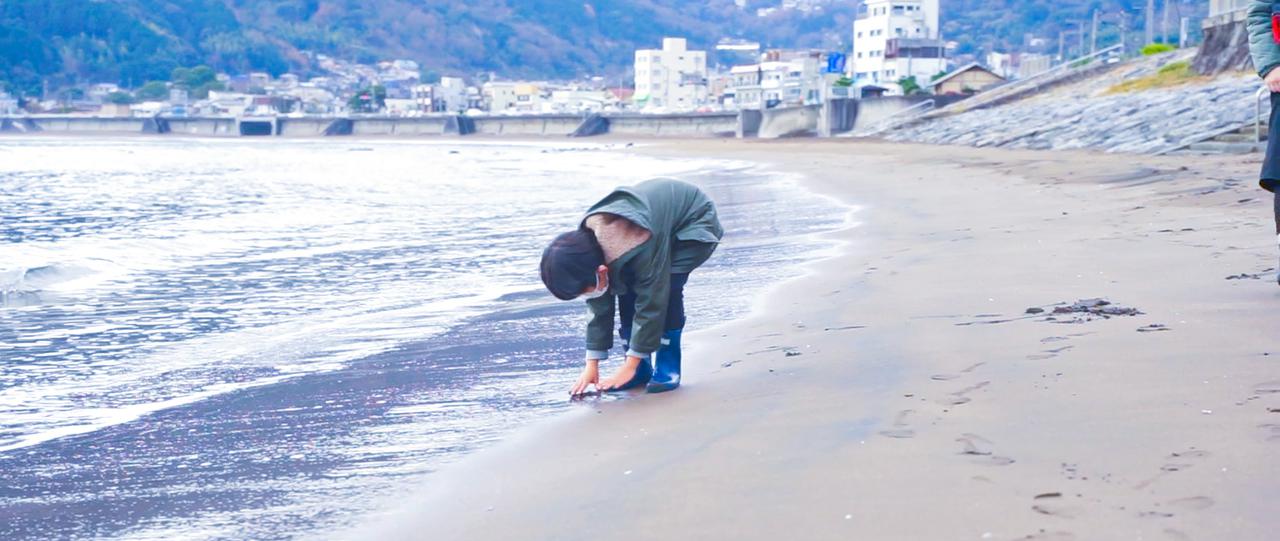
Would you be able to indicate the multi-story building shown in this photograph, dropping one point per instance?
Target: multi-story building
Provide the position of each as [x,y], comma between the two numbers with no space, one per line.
[451,94]
[895,39]
[672,78]
[513,97]
[781,78]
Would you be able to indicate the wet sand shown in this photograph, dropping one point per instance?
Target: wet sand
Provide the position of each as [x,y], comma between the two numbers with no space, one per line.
[903,390]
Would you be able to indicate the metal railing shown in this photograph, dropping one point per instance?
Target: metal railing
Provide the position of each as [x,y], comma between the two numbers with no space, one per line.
[1031,82]
[1186,142]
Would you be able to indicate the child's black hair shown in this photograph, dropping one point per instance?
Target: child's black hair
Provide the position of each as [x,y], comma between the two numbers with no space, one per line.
[569,264]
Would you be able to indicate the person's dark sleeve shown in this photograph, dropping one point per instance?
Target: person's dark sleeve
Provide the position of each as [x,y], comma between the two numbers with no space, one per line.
[600,326]
[1262,46]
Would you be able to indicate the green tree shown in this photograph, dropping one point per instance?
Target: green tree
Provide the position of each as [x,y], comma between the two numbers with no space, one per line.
[198,80]
[910,86]
[120,98]
[429,76]
[153,91]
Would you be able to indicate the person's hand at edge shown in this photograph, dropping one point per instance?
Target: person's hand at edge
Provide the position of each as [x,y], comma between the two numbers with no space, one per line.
[590,376]
[1273,79]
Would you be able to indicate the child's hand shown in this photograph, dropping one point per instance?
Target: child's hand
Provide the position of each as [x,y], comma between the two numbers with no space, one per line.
[590,376]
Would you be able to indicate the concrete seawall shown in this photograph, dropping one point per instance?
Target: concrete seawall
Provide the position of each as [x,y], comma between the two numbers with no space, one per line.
[697,124]
[554,125]
[76,124]
[789,121]
[770,123]
[203,126]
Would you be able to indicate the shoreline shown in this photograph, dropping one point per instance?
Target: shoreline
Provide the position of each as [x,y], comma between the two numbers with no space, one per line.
[922,388]
[414,401]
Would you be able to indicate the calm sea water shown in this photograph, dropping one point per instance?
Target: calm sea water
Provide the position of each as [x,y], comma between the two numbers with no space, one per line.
[230,339]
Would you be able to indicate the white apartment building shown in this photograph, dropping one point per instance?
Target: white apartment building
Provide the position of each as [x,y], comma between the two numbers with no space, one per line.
[452,92]
[780,79]
[514,97]
[672,78]
[893,39]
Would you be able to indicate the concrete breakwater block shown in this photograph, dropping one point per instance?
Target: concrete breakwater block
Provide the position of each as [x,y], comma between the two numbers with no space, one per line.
[595,124]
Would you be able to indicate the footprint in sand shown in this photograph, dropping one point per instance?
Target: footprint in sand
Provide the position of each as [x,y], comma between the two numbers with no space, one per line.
[1051,504]
[1049,536]
[957,398]
[975,445]
[981,450]
[1048,353]
[901,426]
[1268,387]
[1177,461]
[944,377]
[993,460]
[1190,454]
[1194,503]
[1155,514]
[1272,430]
[1176,535]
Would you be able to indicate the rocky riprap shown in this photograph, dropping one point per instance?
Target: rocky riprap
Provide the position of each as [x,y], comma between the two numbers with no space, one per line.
[1084,116]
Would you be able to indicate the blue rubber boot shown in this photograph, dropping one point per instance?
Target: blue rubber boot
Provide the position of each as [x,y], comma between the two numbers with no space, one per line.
[643,373]
[666,372]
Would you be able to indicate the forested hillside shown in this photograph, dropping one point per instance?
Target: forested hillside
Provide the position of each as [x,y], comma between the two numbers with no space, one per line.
[61,42]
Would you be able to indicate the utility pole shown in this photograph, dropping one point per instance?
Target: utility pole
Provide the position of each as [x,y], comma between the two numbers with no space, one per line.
[1151,22]
[1093,34]
[1124,33]
[1061,43]
[1080,38]
[1182,33]
[1164,24]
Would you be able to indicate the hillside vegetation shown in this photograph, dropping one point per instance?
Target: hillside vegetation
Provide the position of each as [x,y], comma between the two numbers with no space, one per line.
[129,42]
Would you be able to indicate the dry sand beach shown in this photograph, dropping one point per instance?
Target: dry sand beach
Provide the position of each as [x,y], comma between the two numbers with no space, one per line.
[904,390]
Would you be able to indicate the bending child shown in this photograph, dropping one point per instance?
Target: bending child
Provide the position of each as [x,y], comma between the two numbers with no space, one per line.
[632,253]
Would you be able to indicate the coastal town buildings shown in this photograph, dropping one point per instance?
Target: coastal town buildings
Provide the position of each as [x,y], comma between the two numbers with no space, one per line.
[512,97]
[579,100]
[781,78]
[672,78]
[896,39]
